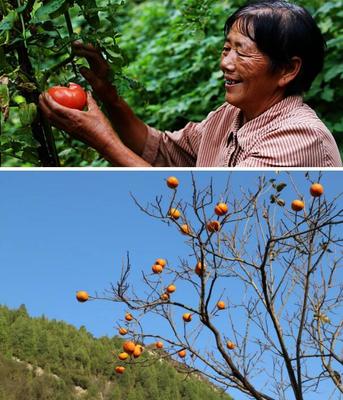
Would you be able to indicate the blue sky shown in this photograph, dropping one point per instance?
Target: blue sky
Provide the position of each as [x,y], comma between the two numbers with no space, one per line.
[65,231]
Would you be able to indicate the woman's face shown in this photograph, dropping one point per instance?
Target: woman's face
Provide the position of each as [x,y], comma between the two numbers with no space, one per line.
[249,84]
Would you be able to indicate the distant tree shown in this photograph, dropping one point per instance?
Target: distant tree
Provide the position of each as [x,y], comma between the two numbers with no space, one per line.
[4,335]
[23,337]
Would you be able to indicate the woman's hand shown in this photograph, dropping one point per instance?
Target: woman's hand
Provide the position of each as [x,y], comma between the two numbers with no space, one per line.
[131,130]
[97,75]
[91,127]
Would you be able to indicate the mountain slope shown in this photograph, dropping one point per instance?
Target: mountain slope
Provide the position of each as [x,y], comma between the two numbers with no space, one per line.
[42,359]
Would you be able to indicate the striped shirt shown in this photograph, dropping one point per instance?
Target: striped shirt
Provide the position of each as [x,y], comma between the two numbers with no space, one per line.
[289,134]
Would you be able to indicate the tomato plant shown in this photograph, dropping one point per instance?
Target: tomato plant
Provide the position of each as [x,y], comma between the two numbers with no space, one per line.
[35,54]
[72,96]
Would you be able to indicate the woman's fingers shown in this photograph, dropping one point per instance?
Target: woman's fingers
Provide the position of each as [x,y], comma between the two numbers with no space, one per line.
[92,105]
[82,49]
[99,85]
[51,107]
[94,57]
[91,126]
[60,116]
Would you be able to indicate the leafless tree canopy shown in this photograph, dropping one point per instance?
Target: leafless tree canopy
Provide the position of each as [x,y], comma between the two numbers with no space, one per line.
[286,324]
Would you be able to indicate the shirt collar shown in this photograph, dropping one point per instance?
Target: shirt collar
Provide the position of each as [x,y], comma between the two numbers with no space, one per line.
[253,128]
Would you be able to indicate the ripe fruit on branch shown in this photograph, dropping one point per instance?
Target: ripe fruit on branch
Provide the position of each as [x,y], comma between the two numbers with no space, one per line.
[119,369]
[316,190]
[172,182]
[200,268]
[157,269]
[161,261]
[221,305]
[297,205]
[187,317]
[122,331]
[82,296]
[137,351]
[182,353]
[185,229]
[213,226]
[230,345]
[72,96]
[171,288]
[129,347]
[159,345]
[165,296]
[221,209]
[128,317]
[123,356]
[174,213]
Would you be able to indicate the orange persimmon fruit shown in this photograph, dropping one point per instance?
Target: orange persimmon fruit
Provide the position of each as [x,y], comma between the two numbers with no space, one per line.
[157,268]
[174,213]
[165,296]
[171,288]
[129,347]
[128,317]
[230,345]
[213,226]
[221,305]
[187,317]
[120,369]
[137,351]
[82,296]
[182,353]
[172,182]
[199,268]
[185,229]
[221,209]
[123,356]
[122,331]
[297,205]
[316,190]
[161,261]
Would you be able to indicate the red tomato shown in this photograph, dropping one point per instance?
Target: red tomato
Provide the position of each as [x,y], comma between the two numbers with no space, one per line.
[72,96]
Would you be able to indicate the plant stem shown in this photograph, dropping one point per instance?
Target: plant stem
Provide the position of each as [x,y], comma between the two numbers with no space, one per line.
[40,129]
[71,34]
[0,137]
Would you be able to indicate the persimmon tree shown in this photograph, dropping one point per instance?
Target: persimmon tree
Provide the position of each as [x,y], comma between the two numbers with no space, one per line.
[256,304]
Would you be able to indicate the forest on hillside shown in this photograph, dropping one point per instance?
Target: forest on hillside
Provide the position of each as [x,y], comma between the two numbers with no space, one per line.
[51,360]
[164,57]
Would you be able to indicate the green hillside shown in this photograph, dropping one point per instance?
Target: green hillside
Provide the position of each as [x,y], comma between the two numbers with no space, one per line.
[42,359]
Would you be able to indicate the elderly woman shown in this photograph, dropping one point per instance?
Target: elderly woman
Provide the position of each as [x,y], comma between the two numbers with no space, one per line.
[273,50]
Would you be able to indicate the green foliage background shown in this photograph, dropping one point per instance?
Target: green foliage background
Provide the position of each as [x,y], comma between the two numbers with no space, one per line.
[79,359]
[165,63]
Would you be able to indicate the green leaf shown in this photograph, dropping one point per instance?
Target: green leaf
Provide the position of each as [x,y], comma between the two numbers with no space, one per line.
[4,95]
[333,72]
[27,113]
[327,94]
[280,186]
[30,155]
[7,23]
[4,100]
[335,42]
[52,8]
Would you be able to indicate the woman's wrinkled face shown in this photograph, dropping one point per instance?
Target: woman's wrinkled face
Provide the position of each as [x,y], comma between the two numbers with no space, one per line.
[249,84]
